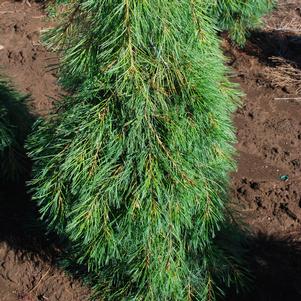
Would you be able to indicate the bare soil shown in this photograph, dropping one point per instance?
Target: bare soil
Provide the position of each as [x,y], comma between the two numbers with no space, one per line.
[22,57]
[266,189]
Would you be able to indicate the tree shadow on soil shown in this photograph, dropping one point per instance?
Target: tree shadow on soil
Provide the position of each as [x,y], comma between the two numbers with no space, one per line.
[19,224]
[266,44]
[275,265]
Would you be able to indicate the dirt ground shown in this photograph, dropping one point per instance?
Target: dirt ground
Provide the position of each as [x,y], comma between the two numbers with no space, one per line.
[266,189]
[22,57]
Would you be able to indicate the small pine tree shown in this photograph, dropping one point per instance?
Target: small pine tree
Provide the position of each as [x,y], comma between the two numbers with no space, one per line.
[133,170]
[15,123]
[238,17]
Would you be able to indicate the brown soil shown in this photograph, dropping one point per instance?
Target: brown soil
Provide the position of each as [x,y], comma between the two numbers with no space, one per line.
[22,57]
[266,188]
[269,131]
[28,277]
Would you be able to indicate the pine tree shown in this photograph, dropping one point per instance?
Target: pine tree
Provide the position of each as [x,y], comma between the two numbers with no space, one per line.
[238,17]
[15,123]
[133,169]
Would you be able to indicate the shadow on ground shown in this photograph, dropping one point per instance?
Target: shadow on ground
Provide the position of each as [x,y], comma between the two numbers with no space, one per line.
[19,224]
[275,263]
[266,44]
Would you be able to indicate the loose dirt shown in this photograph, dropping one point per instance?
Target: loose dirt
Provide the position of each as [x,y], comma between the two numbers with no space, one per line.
[22,57]
[266,189]
[268,125]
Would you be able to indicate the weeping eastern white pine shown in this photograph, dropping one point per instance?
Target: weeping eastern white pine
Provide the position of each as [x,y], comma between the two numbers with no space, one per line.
[133,169]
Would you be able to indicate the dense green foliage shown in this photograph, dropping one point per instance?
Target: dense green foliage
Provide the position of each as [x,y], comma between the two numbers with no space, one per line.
[15,123]
[133,170]
[240,16]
